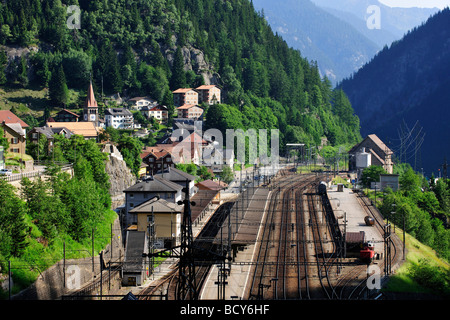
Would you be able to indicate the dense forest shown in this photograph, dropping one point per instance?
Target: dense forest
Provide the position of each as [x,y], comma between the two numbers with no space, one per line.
[142,47]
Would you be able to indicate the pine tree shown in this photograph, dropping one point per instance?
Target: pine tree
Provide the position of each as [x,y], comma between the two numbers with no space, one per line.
[178,79]
[23,75]
[3,63]
[58,91]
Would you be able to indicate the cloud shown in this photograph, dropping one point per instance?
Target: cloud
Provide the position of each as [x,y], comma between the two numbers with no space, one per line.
[441,4]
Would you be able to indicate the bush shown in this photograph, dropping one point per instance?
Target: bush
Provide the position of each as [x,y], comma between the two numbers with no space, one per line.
[435,278]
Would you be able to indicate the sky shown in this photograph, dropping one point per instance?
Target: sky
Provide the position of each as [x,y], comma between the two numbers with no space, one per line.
[441,4]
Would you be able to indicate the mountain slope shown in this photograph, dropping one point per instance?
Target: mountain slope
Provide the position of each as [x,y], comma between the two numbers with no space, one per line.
[336,45]
[406,83]
[394,20]
[142,47]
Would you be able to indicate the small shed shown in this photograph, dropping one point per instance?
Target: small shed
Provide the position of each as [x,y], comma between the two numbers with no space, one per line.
[389,180]
[354,242]
[135,267]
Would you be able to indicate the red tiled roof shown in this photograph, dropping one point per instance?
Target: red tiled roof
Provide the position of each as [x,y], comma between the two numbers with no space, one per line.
[186,106]
[9,117]
[209,184]
[205,87]
[182,90]
[70,112]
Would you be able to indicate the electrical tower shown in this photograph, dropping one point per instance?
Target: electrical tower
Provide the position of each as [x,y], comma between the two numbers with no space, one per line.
[187,287]
[444,167]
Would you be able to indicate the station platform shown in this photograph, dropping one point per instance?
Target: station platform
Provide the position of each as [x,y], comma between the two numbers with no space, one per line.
[345,204]
[245,220]
[245,236]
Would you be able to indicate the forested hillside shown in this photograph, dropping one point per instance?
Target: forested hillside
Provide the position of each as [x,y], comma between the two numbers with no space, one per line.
[405,83]
[143,47]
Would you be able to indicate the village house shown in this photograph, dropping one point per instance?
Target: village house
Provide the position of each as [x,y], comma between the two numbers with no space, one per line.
[380,154]
[156,158]
[184,96]
[159,112]
[38,133]
[146,189]
[66,116]
[190,111]
[82,128]
[179,177]
[209,94]
[160,219]
[216,159]
[14,129]
[212,186]
[119,118]
[139,103]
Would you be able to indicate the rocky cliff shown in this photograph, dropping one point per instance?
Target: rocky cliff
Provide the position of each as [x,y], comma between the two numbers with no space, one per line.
[120,177]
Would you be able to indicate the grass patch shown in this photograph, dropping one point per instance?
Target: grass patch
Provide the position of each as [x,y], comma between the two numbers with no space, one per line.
[339,179]
[310,168]
[417,254]
[38,256]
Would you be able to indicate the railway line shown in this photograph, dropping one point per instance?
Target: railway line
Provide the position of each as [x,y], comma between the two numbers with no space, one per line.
[299,251]
[282,261]
[205,254]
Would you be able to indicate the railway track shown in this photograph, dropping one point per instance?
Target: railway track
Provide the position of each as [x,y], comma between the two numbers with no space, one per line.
[352,283]
[205,254]
[282,262]
[298,253]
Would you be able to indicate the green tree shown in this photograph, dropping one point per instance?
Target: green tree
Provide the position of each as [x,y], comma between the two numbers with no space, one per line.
[3,64]
[131,149]
[204,173]
[227,175]
[371,174]
[58,91]
[23,74]
[12,222]
[410,182]
[4,142]
[178,79]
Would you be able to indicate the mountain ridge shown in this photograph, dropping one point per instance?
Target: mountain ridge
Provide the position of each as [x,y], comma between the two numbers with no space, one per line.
[407,83]
[335,44]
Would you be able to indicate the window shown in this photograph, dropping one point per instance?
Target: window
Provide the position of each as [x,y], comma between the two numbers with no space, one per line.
[14,140]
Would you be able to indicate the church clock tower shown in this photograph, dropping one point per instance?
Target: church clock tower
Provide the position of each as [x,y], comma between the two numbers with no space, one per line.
[91,107]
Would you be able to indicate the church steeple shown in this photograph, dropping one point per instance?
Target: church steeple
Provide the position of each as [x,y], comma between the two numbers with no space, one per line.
[90,99]
[91,106]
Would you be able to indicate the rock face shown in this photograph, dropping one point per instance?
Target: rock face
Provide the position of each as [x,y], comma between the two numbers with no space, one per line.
[120,176]
[194,59]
